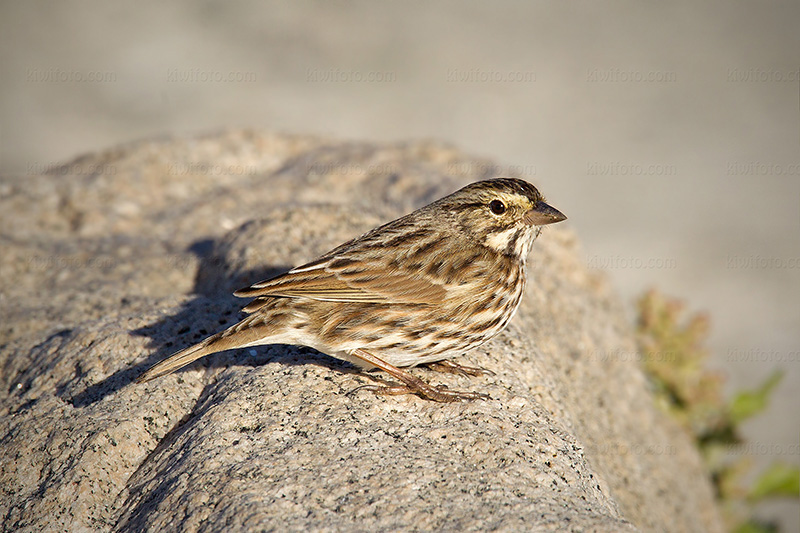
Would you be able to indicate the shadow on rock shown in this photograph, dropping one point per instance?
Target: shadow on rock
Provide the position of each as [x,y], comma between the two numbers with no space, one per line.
[213,309]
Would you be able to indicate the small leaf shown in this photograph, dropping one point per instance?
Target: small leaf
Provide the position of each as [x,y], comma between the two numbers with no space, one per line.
[778,480]
[749,403]
[755,527]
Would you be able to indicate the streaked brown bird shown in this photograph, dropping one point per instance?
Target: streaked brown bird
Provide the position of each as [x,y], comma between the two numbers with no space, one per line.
[418,290]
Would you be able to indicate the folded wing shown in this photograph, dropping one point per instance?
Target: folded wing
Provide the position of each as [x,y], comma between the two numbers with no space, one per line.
[342,279]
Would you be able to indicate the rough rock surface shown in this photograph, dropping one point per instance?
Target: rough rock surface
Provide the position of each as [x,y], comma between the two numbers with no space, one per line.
[117,259]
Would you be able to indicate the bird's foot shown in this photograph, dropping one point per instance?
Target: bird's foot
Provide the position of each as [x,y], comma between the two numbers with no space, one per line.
[411,384]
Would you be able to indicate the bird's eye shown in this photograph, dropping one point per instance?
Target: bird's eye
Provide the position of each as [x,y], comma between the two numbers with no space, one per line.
[497,207]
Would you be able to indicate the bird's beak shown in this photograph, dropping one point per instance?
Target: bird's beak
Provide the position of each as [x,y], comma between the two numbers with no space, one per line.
[542,214]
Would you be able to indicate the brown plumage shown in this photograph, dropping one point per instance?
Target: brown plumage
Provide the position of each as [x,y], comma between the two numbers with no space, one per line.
[418,290]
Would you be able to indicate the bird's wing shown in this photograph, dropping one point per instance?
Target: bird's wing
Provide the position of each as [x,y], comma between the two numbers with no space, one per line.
[340,278]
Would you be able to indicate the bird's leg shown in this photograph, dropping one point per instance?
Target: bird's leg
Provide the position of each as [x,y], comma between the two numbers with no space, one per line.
[454,368]
[411,384]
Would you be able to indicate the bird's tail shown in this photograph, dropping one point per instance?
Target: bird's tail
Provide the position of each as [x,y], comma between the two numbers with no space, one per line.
[251,331]
[177,360]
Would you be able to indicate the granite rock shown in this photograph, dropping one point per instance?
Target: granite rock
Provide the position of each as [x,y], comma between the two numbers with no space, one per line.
[116,259]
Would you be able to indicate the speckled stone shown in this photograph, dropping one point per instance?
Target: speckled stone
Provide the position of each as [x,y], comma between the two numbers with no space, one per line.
[106,271]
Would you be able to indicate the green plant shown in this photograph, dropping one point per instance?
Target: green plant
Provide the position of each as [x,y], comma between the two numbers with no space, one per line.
[674,355]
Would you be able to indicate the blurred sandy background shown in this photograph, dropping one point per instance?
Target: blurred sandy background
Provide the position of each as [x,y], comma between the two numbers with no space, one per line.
[669,133]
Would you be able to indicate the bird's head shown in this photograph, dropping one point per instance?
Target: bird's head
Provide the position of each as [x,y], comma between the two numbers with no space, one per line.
[504,214]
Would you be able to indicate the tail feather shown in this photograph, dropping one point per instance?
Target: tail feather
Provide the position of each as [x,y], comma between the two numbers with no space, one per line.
[252,330]
[175,361]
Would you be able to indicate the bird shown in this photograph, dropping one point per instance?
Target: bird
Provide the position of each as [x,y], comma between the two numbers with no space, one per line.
[421,289]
